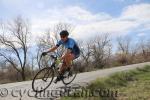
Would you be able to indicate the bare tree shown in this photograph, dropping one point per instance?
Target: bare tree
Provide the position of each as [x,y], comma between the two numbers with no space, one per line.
[124,48]
[148,47]
[101,50]
[86,52]
[124,44]
[2,65]
[144,47]
[13,42]
[133,52]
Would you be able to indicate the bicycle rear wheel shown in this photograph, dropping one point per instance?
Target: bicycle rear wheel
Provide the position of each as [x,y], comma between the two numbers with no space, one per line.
[69,76]
[43,79]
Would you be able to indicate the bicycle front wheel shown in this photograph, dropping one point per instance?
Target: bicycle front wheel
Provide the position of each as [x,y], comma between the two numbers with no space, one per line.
[43,79]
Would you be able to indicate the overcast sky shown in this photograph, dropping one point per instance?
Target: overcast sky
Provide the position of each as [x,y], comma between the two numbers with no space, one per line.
[90,17]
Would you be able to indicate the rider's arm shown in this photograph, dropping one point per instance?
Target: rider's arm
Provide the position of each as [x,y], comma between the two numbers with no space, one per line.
[52,49]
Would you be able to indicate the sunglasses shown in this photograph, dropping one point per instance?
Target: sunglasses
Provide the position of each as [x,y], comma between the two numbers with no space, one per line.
[62,36]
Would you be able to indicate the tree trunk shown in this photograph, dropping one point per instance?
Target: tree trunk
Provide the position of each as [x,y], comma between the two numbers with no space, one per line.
[23,75]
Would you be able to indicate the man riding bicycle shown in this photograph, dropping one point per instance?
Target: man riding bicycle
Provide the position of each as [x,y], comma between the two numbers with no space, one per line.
[72,53]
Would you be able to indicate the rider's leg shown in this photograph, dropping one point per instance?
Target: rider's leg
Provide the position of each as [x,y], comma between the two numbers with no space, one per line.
[67,62]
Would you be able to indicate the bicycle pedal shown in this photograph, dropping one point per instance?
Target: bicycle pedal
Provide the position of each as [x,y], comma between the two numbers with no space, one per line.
[58,79]
[70,73]
[55,81]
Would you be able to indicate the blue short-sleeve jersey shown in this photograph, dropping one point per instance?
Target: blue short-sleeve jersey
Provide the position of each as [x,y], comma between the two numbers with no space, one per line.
[70,44]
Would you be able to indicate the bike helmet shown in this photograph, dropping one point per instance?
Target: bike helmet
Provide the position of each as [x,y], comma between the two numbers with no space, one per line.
[64,33]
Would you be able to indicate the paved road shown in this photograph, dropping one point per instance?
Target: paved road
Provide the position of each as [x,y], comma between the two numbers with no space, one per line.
[23,90]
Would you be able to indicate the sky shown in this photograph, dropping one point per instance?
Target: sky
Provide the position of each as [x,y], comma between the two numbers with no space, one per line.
[90,17]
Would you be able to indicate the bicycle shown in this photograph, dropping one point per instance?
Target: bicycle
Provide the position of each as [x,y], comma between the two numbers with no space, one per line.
[46,75]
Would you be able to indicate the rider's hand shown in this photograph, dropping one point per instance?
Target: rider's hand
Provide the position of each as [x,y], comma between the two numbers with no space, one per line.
[44,53]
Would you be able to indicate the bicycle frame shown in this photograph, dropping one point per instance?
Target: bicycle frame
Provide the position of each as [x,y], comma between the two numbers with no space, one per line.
[53,66]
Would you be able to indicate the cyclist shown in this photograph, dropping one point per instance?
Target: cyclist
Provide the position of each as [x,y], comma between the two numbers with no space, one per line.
[72,53]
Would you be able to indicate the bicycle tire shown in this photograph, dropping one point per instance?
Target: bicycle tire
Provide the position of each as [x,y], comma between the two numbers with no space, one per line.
[64,80]
[36,78]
